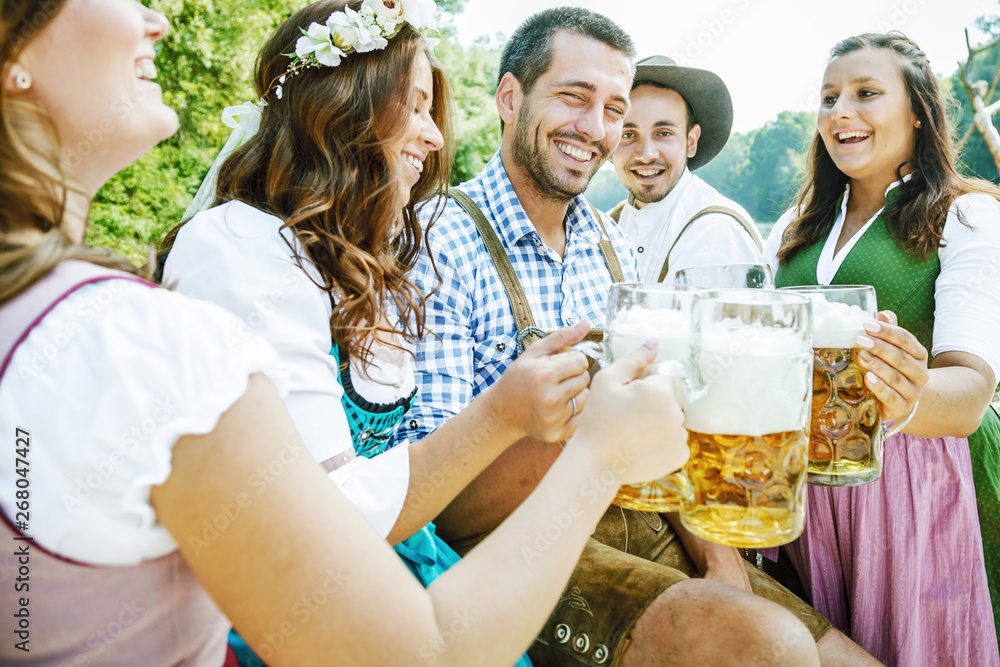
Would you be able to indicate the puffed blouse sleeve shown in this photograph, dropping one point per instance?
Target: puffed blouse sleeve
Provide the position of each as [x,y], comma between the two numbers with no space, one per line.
[105,385]
[966,294]
[239,258]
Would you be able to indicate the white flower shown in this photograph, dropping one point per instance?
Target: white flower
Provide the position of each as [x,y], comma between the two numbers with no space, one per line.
[367,37]
[343,32]
[318,41]
[389,9]
[420,13]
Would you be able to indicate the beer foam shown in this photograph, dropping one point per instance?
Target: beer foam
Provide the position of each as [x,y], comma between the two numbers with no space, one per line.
[837,324]
[758,381]
[671,328]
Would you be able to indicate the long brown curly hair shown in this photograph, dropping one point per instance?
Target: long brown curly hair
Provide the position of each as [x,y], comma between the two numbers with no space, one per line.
[917,218]
[33,185]
[323,162]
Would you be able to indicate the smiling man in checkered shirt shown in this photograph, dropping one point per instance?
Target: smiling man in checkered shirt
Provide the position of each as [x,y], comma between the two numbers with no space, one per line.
[563,92]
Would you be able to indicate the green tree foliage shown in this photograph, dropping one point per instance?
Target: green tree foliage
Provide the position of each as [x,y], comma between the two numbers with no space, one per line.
[205,65]
[761,169]
[472,73]
[975,157]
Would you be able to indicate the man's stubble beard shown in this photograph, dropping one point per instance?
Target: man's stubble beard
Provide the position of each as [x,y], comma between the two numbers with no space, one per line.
[641,192]
[529,156]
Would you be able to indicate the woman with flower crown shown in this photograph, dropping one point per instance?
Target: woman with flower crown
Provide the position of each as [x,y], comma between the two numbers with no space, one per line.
[315,217]
[156,488]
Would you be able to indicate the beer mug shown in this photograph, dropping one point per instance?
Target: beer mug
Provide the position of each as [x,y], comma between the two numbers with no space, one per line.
[846,435]
[747,430]
[637,312]
[721,276]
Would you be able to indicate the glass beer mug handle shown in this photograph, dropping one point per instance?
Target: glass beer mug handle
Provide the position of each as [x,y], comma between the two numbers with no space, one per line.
[599,352]
[688,387]
[679,484]
[901,423]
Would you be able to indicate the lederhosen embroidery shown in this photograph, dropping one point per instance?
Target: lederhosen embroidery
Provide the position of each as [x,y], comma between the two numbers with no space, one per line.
[527,330]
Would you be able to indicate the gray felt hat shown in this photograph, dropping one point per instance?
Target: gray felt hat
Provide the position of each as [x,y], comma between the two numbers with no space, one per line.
[707,95]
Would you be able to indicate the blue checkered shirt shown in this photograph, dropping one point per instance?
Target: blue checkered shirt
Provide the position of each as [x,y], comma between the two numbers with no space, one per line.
[470,310]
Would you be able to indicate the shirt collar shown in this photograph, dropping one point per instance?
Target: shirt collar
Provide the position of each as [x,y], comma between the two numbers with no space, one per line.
[891,193]
[513,224]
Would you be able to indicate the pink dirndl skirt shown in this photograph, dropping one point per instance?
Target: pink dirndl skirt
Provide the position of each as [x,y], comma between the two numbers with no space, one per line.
[897,564]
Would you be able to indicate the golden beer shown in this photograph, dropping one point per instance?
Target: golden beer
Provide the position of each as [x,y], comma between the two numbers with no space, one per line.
[845,432]
[656,496]
[748,490]
[748,429]
[637,312]
[660,495]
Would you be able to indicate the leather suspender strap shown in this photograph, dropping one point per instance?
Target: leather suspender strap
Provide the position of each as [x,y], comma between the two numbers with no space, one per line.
[748,226]
[527,329]
[608,250]
[515,293]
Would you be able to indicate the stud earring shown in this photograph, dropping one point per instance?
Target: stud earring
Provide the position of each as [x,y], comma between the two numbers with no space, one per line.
[22,81]
[918,124]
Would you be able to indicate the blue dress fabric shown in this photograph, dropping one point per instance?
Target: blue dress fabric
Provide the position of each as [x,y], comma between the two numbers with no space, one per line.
[372,427]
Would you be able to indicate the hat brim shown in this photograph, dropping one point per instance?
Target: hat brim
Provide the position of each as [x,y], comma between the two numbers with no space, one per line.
[707,95]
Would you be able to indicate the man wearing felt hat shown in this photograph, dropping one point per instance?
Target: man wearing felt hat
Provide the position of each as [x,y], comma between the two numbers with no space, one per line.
[679,120]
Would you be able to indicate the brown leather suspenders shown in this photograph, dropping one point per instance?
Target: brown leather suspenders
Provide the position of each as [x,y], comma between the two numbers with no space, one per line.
[527,329]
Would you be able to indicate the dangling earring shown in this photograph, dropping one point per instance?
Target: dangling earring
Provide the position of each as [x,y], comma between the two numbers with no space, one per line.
[22,81]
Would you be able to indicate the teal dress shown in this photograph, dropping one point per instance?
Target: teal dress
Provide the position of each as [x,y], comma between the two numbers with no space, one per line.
[372,427]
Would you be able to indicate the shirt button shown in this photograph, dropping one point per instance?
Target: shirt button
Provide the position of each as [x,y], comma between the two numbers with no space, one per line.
[640,248]
[571,320]
[501,347]
[414,423]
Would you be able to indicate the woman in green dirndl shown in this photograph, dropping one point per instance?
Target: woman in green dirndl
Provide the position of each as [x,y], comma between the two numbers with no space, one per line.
[906,565]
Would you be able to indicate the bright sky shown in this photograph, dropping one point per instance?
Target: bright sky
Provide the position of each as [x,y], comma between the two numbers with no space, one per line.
[770,53]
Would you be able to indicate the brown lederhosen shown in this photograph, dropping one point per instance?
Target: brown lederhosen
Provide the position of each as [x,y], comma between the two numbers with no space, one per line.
[632,556]
[748,226]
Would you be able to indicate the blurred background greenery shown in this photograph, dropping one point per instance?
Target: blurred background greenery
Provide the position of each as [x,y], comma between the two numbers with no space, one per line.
[204,65]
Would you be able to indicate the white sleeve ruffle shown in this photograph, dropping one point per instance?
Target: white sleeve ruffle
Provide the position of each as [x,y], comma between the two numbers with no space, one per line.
[106,384]
[967,293]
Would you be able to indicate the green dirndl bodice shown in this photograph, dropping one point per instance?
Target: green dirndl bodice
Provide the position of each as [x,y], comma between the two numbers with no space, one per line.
[905,285]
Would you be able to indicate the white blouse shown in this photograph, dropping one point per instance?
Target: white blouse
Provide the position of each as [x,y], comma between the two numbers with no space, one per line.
[106,384]
[240,258]
[967,291]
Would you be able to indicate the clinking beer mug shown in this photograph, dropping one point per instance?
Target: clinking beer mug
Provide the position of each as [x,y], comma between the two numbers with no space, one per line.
[637,312]
[747,425]
[846,435]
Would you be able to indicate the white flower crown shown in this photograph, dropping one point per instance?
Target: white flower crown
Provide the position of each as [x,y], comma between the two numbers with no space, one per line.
[350,31]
